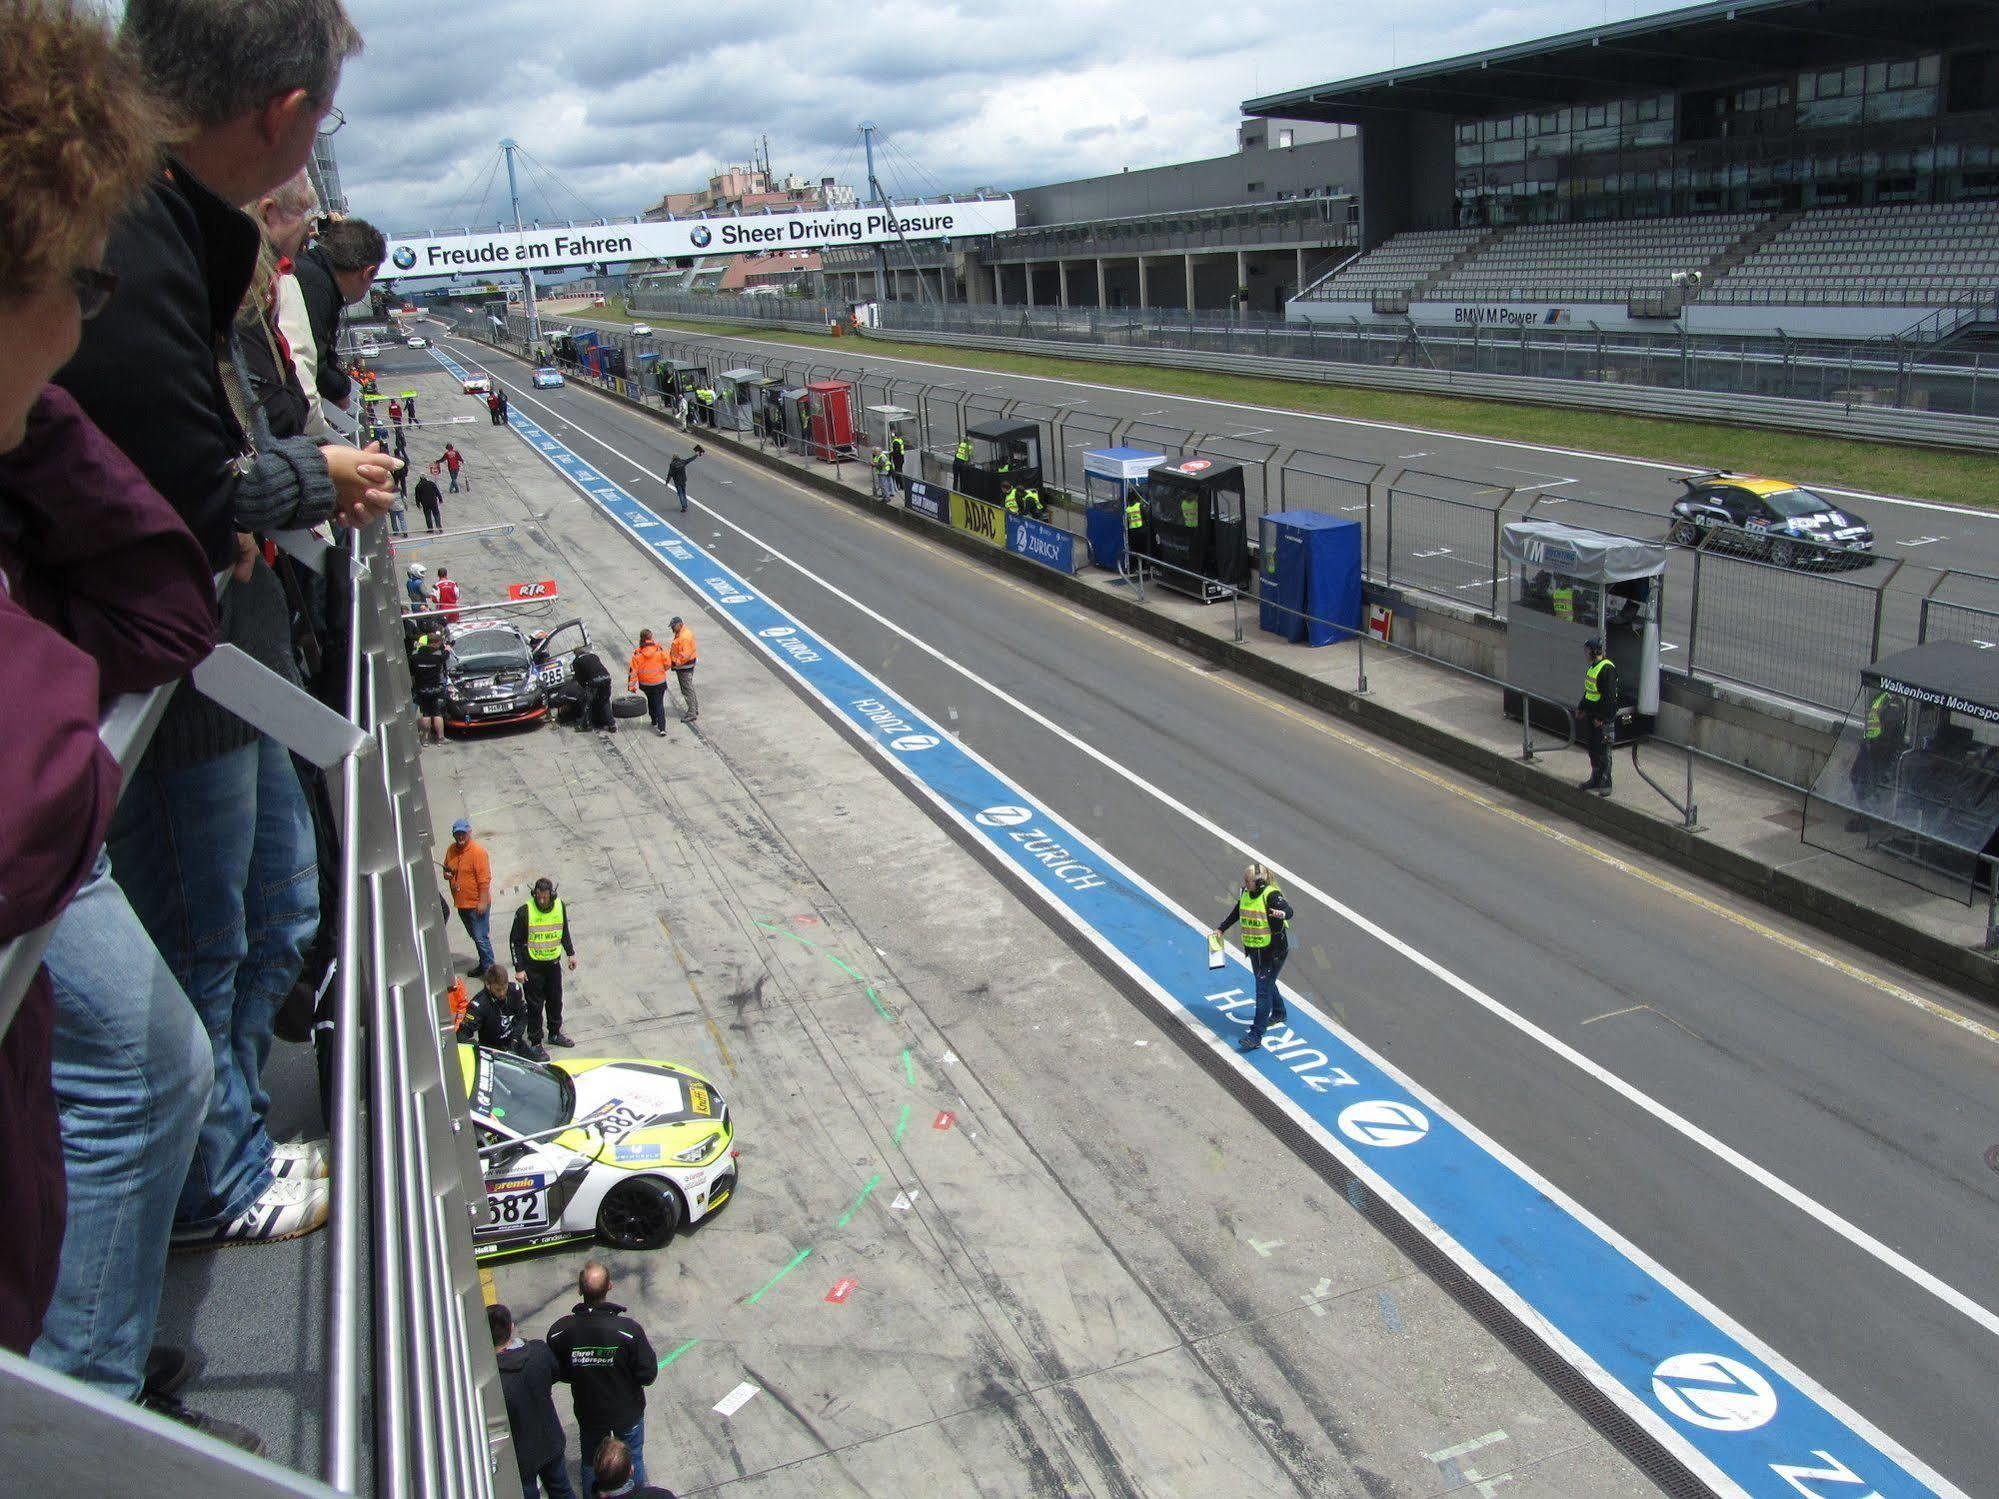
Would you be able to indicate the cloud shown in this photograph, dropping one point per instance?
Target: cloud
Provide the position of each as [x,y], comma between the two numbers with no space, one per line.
[620,101]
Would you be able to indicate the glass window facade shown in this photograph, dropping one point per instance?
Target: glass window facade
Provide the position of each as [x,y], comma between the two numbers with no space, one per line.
[1869,132]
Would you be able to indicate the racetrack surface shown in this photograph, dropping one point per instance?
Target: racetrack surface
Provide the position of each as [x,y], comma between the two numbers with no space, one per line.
[1865,1124]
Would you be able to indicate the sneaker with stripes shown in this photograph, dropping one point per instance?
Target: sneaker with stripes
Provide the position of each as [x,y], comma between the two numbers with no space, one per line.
[290,1207]
[310,1159]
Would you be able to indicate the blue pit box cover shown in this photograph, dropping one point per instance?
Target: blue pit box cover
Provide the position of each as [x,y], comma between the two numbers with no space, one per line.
[1310,563]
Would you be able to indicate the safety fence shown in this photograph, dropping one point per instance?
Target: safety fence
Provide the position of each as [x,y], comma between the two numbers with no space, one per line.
[1905,372]
[1798,632]
[411,1401]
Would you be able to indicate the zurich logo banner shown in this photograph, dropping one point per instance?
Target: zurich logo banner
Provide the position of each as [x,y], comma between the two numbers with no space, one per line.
[1051,546]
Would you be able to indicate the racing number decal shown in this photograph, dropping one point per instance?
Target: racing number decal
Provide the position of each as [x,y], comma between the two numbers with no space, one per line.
[618,1118]
[516,1204]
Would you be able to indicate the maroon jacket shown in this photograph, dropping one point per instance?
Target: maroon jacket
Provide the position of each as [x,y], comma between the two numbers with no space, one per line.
[90,552]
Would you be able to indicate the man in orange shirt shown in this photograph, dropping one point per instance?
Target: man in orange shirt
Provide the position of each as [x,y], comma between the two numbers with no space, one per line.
[680,656]
[469,873]
[647,674]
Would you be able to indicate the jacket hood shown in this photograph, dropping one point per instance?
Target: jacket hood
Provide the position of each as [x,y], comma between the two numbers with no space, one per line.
[601,1309]
[512,1360]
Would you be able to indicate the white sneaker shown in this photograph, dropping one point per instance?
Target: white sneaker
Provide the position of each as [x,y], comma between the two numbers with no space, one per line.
[310,1159]
[290,1208]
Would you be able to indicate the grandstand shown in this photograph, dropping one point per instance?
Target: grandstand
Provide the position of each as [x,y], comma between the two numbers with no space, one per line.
[1594,262]
[1896,253]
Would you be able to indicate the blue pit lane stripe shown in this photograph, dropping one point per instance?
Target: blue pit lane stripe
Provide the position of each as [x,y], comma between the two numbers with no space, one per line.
[1732,1410]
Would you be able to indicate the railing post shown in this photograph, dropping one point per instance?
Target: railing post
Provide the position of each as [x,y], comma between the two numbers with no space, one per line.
[1694,604]
[1388,547]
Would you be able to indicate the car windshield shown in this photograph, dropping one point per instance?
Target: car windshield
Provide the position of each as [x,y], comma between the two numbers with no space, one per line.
[1793,503]
[489,650]
[527,1097]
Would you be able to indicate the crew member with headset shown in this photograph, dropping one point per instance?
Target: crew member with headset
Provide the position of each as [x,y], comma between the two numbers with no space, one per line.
[959,459]
[1598,709]
[540,940]
[1265,916]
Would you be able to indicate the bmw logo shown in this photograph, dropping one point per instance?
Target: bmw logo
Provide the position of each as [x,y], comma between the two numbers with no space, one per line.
[701,235]
[404,257]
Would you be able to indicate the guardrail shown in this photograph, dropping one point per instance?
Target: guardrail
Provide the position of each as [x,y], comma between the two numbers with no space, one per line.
[412,1400]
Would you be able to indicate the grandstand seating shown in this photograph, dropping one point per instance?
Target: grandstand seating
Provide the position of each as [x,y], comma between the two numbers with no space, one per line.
[1894,254]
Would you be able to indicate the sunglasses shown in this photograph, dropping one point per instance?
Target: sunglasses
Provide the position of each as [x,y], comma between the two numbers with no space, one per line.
[93,286]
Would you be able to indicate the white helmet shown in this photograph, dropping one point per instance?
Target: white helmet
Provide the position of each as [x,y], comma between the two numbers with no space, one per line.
[416,569]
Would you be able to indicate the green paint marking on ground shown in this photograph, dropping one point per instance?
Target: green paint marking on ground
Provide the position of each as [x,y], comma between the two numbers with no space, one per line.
[796,1260]
[876,1000]
[845,967]
[855,1207]
[678,1351]
[902,1124]
[908,1068]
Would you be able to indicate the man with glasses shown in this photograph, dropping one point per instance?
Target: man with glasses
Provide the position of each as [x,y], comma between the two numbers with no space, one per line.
[334,271]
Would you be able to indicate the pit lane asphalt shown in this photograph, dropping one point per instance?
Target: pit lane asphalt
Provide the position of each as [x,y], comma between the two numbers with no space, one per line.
[1880,1116]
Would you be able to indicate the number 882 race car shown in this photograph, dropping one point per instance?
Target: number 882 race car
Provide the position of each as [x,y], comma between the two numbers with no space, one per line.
[626,1151]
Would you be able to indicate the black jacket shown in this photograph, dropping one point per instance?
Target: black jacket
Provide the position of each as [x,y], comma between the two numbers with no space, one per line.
[501,1024]
[427,493]
[527,1377]
[589,669]
[427,667]
[1607,706]
[676,468]
[517,939]
[607,1362]
[323,304]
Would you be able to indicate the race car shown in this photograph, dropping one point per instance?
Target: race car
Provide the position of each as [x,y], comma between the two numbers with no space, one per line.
[370,350]
[417,341]
[1774,519]
[477,385]
[495,673]
[642,330]
[548,377]
[626,1151]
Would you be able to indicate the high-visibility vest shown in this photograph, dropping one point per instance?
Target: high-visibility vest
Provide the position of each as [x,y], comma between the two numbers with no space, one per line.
[1592,686]
[897,446]
[1190,511]
[1874,708]
[1030,500]
[1253,911]
[1012,500]
[545,932]
[964,453]
[1134,514]
[705,396]
[1563,599]
[881,461]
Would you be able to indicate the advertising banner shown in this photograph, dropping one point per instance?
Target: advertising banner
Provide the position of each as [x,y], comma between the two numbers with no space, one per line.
[977,518]
[1037,541]
[762,233]
[925,498]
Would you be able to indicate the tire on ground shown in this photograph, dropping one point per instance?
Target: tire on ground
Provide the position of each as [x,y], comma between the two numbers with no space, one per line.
[631,705]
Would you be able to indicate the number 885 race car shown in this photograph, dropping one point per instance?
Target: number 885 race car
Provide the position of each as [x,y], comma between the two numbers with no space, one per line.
[627,1151]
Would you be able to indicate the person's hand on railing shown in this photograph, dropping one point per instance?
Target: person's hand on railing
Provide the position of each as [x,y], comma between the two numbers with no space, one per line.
[363,480]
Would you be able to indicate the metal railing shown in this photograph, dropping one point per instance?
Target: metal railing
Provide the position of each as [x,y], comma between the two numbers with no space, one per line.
[412,1401]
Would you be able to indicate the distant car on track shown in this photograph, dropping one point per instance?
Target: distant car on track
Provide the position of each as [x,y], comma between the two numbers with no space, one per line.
[1774,519]
[626,1151]
[495,673]
[417,341]
[642,330]
[548,377]
[477,385]
[370,350]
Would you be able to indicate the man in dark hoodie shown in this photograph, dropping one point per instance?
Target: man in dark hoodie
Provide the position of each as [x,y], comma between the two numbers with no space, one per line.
[606,1360]
[527,1377]
[334,271]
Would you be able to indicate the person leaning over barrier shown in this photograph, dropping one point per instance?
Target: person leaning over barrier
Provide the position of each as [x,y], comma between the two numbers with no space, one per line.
[1265,916]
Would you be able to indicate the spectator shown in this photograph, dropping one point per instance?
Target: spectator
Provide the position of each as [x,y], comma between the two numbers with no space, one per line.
[427,664]
[676,473]
[647,673]
[430,502]
[286,214]
[497,1018]
[87,548]
[447,595]
[469,873]
[607,1361]
[214,829]
[338,268]
[615,1478]
[453,461]
[680,655]
[527,1376]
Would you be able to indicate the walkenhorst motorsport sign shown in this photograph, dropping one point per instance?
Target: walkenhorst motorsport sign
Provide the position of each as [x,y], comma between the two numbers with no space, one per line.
[511,250]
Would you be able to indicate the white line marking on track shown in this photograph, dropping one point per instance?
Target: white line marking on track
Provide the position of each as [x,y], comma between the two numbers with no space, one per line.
[1565,1348]
[1355,421]
[1550,484]
[1811,1207]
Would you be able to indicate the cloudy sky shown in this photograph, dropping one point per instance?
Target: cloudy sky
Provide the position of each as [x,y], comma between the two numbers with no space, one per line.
[623,100]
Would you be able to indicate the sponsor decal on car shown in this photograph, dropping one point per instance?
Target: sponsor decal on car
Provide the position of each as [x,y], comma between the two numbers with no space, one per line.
[648,1152]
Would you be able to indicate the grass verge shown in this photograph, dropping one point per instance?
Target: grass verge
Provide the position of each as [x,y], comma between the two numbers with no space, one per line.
[1847,463]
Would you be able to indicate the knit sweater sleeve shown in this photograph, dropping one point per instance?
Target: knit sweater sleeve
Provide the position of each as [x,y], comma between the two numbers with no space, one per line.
[287,488]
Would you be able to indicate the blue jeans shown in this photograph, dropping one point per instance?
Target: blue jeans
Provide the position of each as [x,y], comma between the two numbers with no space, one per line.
[680,488]
[454,481]
[633,1436]
[133,1073]
[1266,963]
[553,1476]
[479,927]
[219,863]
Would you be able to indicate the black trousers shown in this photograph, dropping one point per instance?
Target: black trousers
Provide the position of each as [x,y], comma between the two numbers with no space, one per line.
[544,996]
[655,702]
[433,516]
[1596,733]
[597,703]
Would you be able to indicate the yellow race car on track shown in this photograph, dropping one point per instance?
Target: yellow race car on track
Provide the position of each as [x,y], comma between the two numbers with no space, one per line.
[625,1151]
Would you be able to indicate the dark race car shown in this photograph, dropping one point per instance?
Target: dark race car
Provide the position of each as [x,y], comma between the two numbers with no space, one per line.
[1773,519]
[495,673]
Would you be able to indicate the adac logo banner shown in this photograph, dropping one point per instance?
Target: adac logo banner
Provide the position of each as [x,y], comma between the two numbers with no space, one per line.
[977,518]
[925,498]
[1037,541]
[593,244]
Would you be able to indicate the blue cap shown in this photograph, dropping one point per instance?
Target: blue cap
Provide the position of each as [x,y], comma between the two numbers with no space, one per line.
[461,826]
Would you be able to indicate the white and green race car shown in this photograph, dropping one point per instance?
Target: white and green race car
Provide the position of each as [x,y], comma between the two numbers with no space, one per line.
[626,1151]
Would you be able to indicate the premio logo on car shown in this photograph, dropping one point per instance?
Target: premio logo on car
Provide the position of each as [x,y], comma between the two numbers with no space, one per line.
[700,236]
[404,257]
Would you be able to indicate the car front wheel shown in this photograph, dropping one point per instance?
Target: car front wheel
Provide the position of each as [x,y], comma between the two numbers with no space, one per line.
[1783,553]
[638,1214]
[1683,534]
